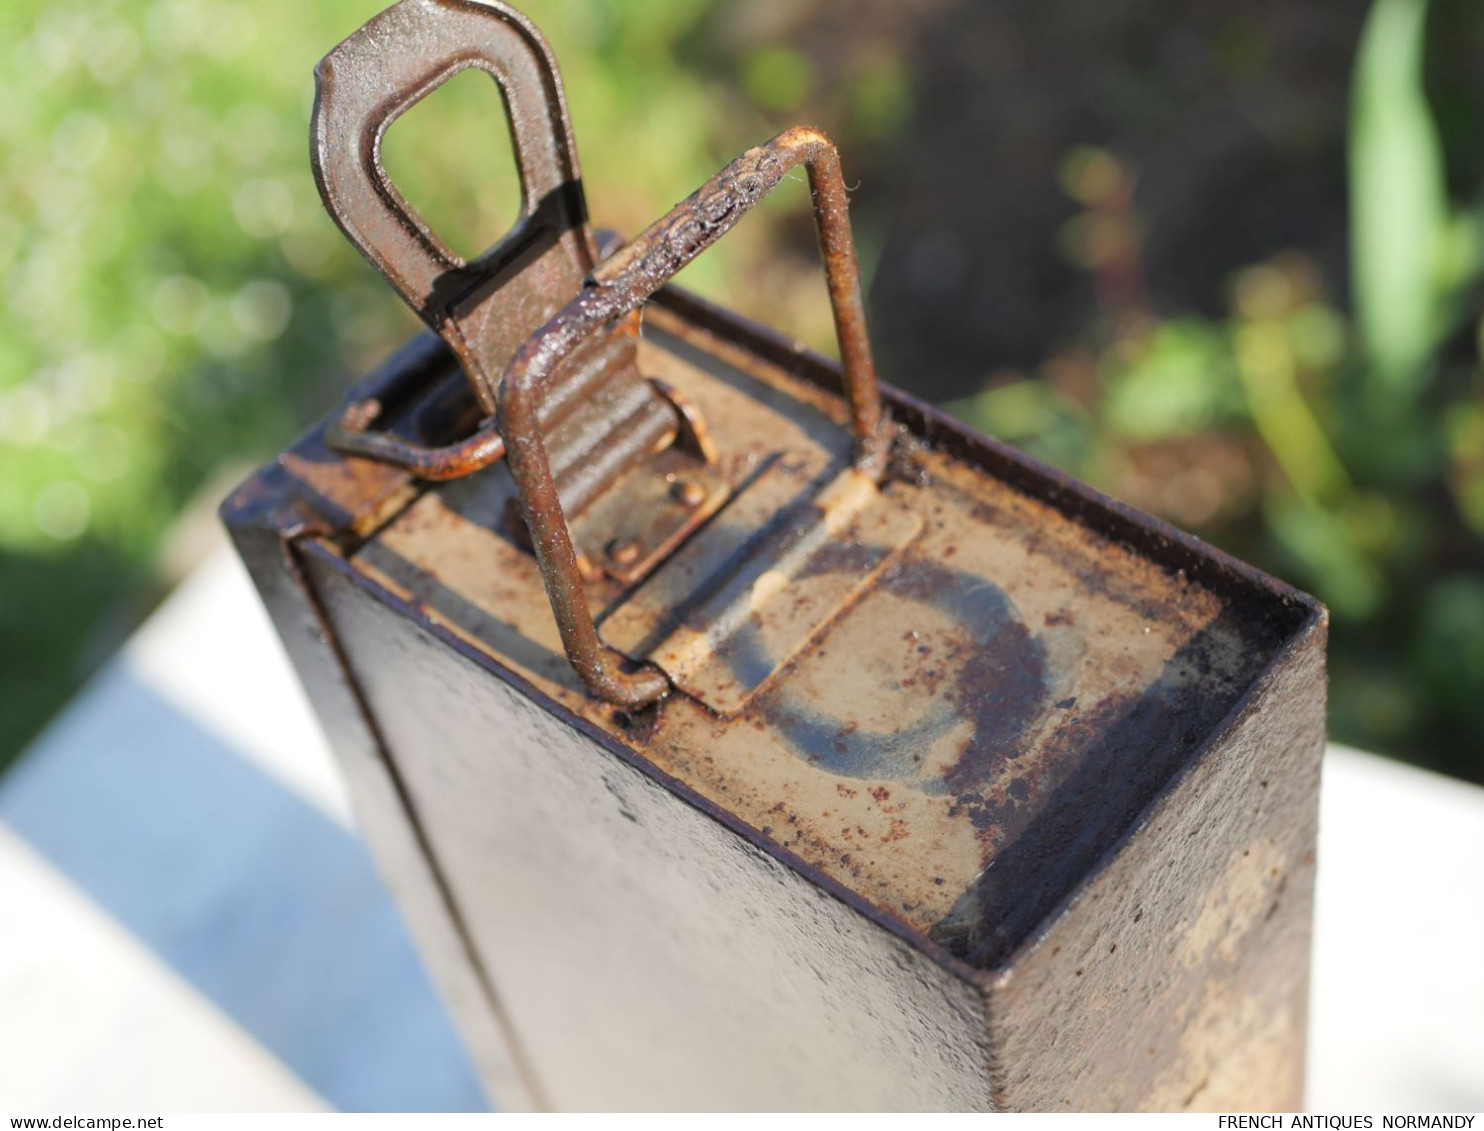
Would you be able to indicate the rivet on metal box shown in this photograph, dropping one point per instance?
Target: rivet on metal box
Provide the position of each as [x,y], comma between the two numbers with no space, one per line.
[736,733]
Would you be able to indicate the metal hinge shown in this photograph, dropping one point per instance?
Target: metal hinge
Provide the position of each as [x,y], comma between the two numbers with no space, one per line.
[613,471]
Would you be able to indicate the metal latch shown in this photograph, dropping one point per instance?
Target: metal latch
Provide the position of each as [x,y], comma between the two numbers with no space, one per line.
[600,416]
[613,471]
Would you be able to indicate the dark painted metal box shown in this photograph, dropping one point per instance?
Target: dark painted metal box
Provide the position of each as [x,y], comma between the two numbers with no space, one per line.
[1001,796]
[1082,881]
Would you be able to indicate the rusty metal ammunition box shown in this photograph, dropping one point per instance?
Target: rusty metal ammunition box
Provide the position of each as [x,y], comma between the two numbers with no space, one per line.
[865,763]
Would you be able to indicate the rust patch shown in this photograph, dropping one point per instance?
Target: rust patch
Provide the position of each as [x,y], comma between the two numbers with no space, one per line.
[957,722]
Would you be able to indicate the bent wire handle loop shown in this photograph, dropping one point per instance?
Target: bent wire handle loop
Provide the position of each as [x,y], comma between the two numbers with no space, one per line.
[619,285]
[381,71]
[348,433]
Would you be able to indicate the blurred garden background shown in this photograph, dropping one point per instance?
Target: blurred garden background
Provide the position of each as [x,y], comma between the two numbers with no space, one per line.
[1223,259]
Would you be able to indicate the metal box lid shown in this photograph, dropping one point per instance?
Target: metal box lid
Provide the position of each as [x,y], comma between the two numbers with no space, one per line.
[936,676]
[1013,668]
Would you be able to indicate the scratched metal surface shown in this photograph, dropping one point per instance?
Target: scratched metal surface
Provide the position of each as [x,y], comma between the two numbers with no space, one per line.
[1013,685]
[644,956]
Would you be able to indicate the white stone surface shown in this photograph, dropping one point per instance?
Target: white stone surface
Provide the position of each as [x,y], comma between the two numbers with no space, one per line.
[210,652]
[190,923]
[187,801]
[1397,1020]
[94,1021]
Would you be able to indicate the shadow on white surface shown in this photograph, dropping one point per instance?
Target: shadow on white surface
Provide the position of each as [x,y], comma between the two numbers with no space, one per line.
[264,904]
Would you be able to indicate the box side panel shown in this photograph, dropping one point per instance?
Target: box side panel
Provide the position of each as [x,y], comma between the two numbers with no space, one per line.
[1177,978]
[649,957]
[381,816]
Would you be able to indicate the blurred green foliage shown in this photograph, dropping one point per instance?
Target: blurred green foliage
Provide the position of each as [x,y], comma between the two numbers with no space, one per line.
[1344,453]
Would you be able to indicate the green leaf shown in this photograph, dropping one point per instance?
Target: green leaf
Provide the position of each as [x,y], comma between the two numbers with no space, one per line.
[1031,415]
[1398,204]
[1322,549]
[1178,382]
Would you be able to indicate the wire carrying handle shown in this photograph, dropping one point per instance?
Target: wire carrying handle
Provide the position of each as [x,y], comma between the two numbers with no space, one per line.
[618,286]
[540,298]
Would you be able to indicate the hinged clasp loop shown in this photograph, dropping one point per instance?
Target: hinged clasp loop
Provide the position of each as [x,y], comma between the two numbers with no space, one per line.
[486,308]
